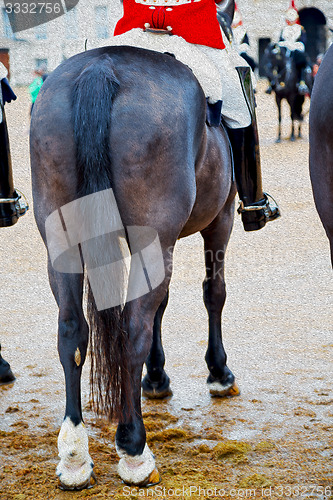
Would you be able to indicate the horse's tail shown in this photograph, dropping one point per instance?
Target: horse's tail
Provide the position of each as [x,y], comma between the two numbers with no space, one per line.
[93,94]
[92,100]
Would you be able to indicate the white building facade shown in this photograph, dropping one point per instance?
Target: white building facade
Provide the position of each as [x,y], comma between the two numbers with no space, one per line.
[91,23]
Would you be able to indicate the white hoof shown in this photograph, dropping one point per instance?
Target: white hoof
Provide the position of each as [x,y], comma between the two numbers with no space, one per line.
[138,470]
[75,468]
[217,389]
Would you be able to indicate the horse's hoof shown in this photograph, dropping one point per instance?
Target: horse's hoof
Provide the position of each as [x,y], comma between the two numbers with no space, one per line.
[292,139]
[75,469]
[156,390]
[157,394]
[6,374]
[153,479]
[227,388]
[278,140]
[91,481]
[7,377]
[216,389]
[139,470]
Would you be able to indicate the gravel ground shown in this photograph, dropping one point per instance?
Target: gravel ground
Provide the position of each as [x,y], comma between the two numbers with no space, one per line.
[277,332]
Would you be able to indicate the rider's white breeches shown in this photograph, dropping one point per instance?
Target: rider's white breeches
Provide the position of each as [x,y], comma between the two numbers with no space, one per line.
[234,108]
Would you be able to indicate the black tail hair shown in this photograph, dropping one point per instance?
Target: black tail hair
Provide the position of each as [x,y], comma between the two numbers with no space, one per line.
[93,94]
[92,100]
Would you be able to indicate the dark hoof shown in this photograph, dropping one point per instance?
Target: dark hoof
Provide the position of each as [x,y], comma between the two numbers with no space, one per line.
[156,390]
[90,483]
[292,138]
[6,374]
[278,140]
[223,388]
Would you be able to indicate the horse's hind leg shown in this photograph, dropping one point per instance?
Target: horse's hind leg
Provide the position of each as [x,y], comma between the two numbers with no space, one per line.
[221,381]
[137,463]
[156,383]
[75,469]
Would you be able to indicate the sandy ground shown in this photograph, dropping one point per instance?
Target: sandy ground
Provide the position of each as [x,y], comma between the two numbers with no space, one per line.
[275,439]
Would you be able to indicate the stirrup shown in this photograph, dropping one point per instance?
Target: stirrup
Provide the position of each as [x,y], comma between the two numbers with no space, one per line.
[18,206]
[264,204]
[256,216]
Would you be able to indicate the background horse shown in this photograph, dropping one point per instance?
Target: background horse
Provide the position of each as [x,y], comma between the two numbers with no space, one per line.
[133,121]
[280,69]
[321,144]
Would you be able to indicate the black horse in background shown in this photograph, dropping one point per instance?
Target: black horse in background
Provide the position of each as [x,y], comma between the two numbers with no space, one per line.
[280,69]
[321,144]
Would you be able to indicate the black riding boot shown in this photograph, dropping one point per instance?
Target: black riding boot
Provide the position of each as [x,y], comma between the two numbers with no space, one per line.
[11,204]
[255,207]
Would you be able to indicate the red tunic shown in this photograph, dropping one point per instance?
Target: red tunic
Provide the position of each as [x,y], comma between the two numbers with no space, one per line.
[193,20]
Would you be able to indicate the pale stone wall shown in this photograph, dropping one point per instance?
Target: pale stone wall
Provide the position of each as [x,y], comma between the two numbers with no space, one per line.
[25,49]
[262,18]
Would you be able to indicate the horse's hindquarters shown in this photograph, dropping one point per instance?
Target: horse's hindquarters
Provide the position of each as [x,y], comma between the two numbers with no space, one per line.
[321,144]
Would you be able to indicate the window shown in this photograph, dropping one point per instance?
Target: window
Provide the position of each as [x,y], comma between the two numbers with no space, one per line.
[101,22]
[71,24]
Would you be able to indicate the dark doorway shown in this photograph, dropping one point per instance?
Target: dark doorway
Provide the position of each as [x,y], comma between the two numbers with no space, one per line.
[314,23]
[263,42]
[4,58]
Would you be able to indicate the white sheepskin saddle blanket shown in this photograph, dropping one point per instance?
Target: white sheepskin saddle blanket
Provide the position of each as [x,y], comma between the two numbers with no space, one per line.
[203,68]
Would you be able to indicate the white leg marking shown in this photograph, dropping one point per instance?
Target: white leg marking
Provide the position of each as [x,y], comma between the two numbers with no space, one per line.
[75,466]
[135,470]
[217,389]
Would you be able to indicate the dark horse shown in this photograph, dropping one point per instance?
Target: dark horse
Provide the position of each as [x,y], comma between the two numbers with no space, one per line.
[133,121]
[280,69]
[321,144]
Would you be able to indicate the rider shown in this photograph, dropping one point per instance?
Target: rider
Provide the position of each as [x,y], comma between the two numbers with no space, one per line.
[196,22]
[293,37]
[11,204]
